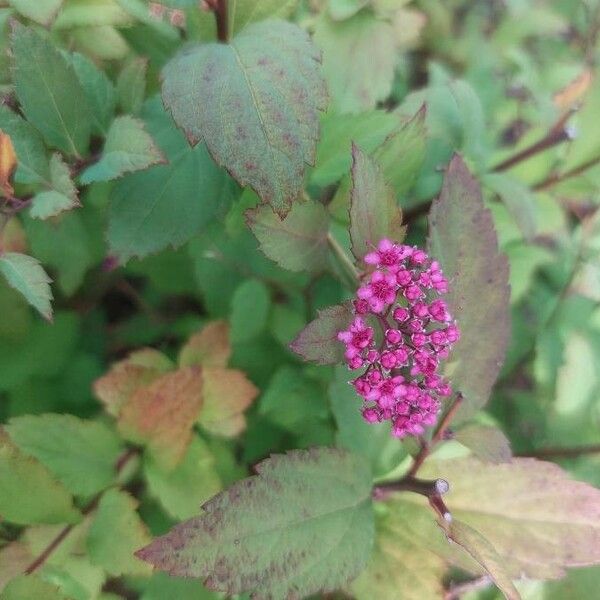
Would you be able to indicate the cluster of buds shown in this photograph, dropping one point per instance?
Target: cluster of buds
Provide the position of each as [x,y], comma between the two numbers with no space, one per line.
[400,381]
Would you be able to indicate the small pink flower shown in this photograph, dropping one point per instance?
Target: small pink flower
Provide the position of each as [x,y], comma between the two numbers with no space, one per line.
[401,380]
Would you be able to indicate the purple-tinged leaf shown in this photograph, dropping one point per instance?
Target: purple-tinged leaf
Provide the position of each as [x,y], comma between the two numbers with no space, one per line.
[538,519]
[303,525]
[463,239]
[374,212]
[299,242]
[318,342]
[255,103]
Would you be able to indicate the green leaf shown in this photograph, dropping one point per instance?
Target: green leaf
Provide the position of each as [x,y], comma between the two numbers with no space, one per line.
[250,308]
[374,212]
[40,11]
[62,196]
[26,275]
[131,85]
[29,147]
[115,533]
[50,93]
[359,59]
[318,341]
[538,519]
[484,553]
[81,454]
[184,489]
[260,97]
[487,443]
[299,242]
[334,158]
[463,239]
[28,587]
[166,205]
[99,91]
[161,586]
[128,148]
[406,563]
[29,492]
[292,401]
[303,525]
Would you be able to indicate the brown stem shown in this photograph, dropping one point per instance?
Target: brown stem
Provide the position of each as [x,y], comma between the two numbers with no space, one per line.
[460,589]
[219,7]
[555,136]
[56,542]
[425,487]
[557,178]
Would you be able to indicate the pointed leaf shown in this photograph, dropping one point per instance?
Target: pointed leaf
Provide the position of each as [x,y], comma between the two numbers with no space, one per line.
[463,239]
[128,148]
[374,212]
[162,414]
[131,85]
[26,275]
[62,196]
[29,492]
[139,369]
[115,533]
[299,242]
[303,525]
[81,454]
[226,394]
[260,97]
[209,348]
[318,341]
[50,93]
[99,91]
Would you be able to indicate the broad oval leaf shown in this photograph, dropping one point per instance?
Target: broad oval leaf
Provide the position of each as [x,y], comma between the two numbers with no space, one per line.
[463,239]
[255,103]
[303,525]
[70,447]
[26,275]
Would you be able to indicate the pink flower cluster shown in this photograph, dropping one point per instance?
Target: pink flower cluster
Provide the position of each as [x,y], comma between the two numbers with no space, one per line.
[401,382]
